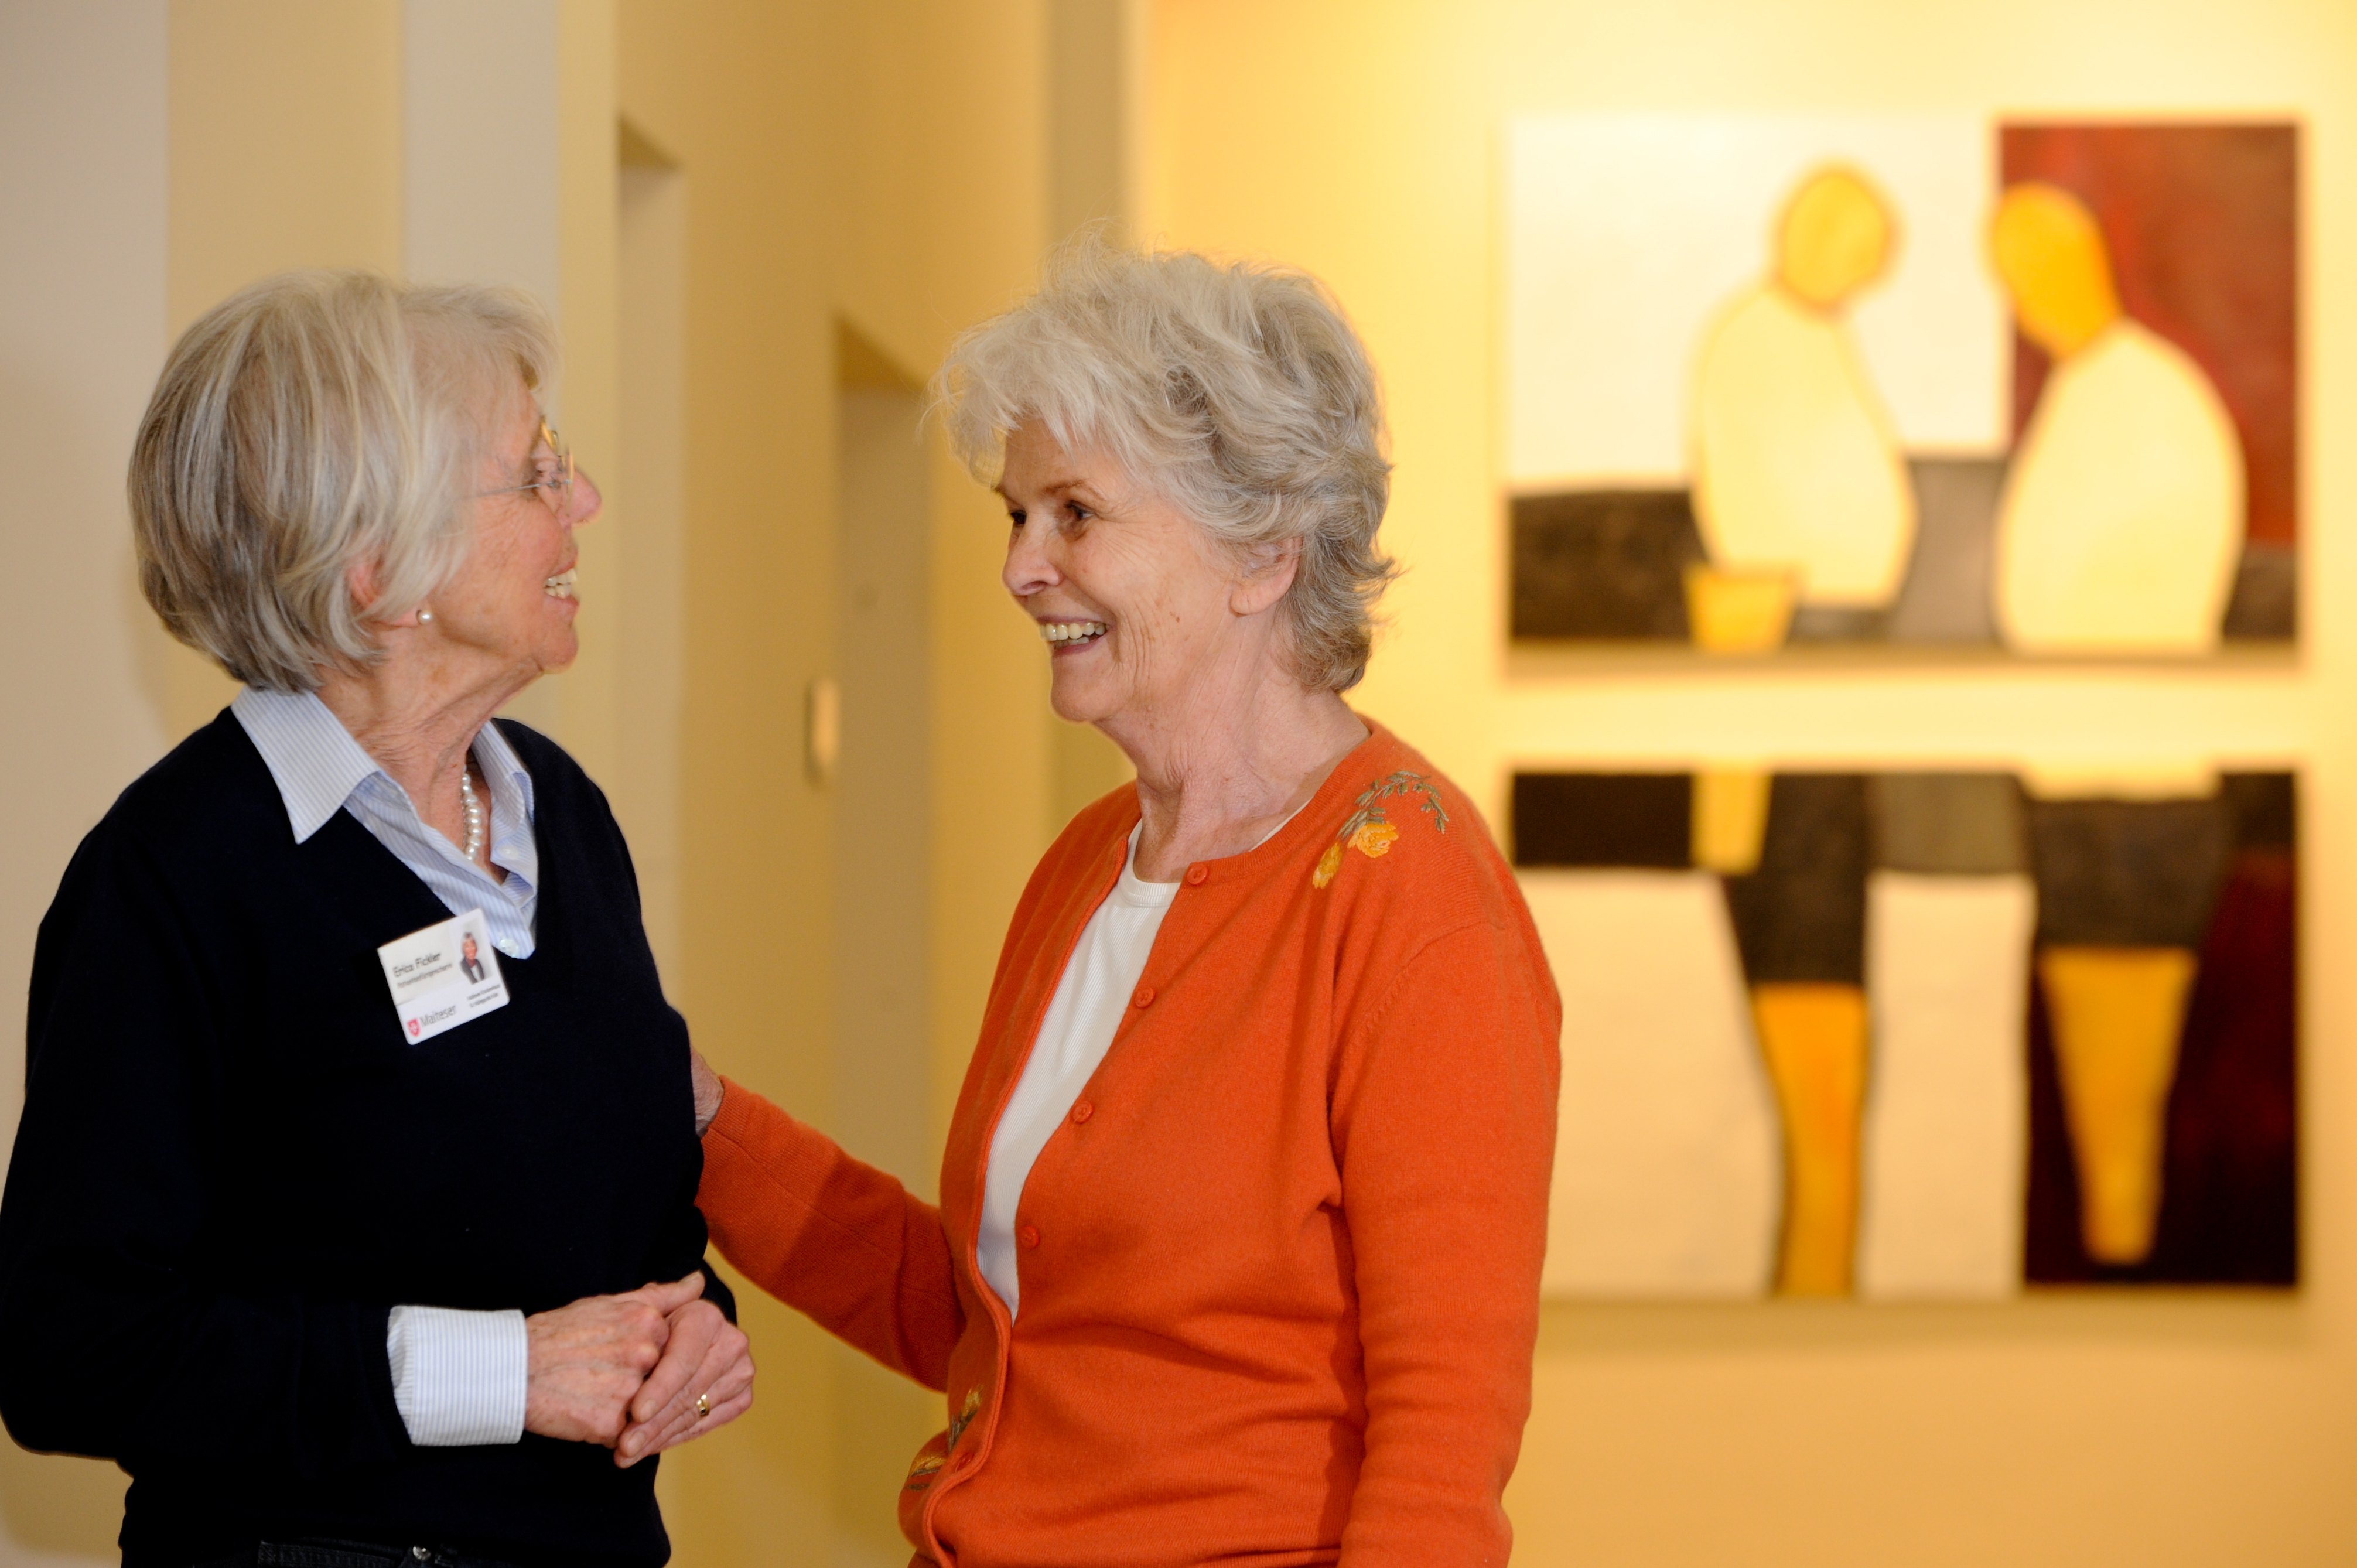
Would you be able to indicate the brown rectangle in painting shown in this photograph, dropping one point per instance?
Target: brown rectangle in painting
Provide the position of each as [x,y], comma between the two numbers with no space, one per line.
[2265,807]
[2129,874]
[1602,564]
[2203,225]
[1801,917]
[1945,595]
[1946,824]
[1604,819]
[2229,1201]
[2265,604]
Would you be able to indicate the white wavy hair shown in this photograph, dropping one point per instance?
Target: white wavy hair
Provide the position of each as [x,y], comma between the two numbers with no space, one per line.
[1236,391]
[305,424]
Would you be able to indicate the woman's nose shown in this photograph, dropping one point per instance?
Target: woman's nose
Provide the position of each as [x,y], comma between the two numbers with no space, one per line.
[1028,566]
[587,499]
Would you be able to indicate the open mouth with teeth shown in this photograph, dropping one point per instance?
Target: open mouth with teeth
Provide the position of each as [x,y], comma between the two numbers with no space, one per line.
[561,585]
[1063,634]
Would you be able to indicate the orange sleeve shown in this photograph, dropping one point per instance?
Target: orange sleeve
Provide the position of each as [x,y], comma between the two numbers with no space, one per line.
[838,1240]
[1444,1121]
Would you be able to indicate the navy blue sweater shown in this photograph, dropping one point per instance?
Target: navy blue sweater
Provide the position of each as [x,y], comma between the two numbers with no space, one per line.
[233,1165]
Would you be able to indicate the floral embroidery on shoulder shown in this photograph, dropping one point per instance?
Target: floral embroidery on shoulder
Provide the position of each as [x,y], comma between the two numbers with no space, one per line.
[1369,831]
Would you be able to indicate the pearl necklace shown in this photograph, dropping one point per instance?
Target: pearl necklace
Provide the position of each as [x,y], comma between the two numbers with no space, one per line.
[474,814]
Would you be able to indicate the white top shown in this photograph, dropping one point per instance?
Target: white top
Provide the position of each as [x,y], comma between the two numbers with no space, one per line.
[1073,1038]
[2123,512]
[1796,461]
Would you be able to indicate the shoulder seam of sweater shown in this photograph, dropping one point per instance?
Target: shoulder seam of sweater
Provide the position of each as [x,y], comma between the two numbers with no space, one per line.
[1399,975]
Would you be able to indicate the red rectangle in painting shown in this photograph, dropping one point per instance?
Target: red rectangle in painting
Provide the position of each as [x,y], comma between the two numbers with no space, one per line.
[2201,221]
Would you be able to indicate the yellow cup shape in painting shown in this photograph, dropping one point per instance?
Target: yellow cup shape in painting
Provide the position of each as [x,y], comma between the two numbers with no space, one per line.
[1796,461]
[1813,1037]
[2121,520]
[2117,1015]
[1741,611]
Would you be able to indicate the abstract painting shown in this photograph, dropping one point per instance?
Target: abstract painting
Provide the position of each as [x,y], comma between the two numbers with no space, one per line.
[1775,381]
[1915,1035]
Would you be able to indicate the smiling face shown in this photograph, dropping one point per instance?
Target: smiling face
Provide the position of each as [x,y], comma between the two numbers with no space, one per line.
[1140,610]
[512,604]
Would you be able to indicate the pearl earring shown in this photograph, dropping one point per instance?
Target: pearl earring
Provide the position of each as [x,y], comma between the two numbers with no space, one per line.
[424,617]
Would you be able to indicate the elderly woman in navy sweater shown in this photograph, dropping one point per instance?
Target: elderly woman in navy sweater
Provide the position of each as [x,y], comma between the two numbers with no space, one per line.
[341,1252]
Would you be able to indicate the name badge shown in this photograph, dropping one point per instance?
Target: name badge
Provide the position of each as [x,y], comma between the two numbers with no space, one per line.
[443,975]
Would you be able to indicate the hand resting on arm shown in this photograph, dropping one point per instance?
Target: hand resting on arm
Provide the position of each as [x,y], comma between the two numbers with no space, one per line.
[708,1090]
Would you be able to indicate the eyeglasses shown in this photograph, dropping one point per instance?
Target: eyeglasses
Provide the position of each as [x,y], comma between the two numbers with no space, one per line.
[556,487]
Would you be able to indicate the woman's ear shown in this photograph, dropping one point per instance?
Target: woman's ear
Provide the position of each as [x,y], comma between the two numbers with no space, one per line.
[361,581]
[1268,572]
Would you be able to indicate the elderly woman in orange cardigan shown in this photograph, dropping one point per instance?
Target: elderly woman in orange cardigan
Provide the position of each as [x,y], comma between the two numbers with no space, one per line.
[1237,1256]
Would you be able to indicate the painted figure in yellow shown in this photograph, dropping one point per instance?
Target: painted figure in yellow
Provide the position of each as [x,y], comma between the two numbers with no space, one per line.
[2122,515]
[2118,1013]
[1799,489]
[2119,531]
[1816,1039]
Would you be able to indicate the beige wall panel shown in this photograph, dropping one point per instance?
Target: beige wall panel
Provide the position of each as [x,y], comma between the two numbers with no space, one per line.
[589,695]
[482,142]
[286,142]
[509,178]
[2151,1429]
[648,484]
[82,302]
[286,152]
[738,93]
[875,163]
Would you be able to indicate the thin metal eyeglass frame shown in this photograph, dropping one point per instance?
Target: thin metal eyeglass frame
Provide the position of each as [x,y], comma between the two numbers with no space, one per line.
[561,502]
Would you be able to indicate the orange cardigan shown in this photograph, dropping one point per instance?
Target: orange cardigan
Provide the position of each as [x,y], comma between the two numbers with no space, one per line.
[1280,1264]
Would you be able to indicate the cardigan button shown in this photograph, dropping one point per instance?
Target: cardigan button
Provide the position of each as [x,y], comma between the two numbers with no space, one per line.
[1028,1235]
[1082,1112]
[1198,874]
[1145,997]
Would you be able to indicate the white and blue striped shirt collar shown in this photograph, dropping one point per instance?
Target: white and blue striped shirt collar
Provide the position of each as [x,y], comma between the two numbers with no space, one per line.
[321,769]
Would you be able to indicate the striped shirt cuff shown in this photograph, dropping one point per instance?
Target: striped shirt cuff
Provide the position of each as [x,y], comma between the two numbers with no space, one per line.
[459,1377]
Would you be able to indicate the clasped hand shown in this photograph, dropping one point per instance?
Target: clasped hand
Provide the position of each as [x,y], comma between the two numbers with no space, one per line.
[625,1371]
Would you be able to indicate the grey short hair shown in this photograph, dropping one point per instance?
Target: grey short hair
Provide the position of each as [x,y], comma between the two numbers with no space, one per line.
[308,424]
[1237,390]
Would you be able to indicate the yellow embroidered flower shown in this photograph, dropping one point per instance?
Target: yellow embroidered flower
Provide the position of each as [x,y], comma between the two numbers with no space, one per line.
[1370,832]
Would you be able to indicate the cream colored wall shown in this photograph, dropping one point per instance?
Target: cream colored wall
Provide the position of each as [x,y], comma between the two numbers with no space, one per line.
[879,165]
[84,135]
[249,200]
[650,474]
[1359,138]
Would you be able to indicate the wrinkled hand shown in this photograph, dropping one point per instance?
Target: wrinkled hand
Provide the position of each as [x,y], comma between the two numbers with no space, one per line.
[588,1361]
[707,1355]
[707,1089]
